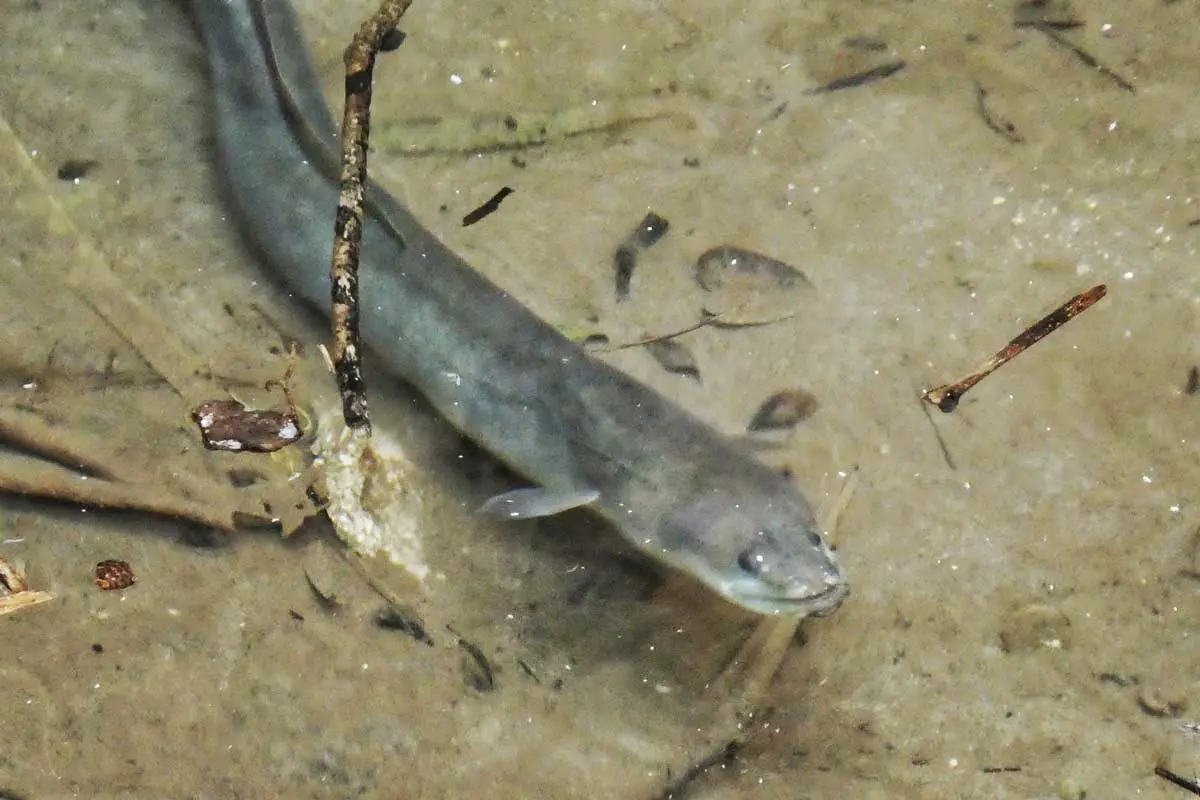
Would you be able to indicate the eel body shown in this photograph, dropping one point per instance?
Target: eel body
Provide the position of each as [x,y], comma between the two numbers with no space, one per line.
[675,488]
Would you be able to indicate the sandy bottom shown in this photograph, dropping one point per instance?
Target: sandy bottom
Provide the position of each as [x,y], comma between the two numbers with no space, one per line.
[1024,571]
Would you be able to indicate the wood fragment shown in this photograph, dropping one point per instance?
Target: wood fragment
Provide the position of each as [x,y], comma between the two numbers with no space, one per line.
[992,120]
[359,60]
[860,78]
[947,396]
[1167,775]
[489,207]
[1084,56]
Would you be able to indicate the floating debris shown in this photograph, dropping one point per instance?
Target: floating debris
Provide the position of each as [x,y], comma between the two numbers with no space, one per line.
[487,208]
[649,230]
[674,358]
[782,410]
[113,575]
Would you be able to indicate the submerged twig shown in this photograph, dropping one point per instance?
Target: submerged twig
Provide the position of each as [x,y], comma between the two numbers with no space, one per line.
[996,123]
[489,207]
[1087,58]
[376,33]
[1167,775]
[711,319]
[860,78]
[946,396]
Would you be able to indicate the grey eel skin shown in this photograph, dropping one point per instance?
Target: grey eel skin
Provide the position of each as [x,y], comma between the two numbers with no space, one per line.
[675,488]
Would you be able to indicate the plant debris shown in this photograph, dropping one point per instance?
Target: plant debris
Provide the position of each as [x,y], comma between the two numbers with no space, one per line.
[487,208]
[15,593]
[649,230]
[946,396]
[477,670]
[860,78]
[228,425]
[992,120]
[395,618]
[721,265]
[674,358]
[1089,60]
[1167,775]
[379,32]
[113,575]
[784,409]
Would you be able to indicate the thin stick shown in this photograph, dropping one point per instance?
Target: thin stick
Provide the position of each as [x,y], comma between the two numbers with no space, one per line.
[716,320]
[359,59]
[1083,55]
[946,396]
[1180,781]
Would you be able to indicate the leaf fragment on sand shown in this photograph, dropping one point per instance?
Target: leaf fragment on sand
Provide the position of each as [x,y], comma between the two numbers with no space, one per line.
[721,264]
[15,593]
[784,409]
[652,228]
[674,357]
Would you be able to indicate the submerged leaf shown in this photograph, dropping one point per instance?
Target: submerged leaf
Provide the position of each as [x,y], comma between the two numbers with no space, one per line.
[674,357]
[716,267]
[784,409]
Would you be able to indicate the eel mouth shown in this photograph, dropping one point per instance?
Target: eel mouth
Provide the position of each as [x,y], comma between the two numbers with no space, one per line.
[821,604]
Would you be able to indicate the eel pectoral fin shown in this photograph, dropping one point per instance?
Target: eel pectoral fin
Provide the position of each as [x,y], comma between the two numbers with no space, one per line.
[536,501]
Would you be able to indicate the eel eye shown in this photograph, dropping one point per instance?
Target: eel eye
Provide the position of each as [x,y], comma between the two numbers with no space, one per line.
[749,561]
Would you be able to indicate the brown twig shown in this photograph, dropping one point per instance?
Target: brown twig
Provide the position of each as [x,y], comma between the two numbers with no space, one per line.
[1167,775]
[359,59]
[946,396]
[994,121]
[1084,56]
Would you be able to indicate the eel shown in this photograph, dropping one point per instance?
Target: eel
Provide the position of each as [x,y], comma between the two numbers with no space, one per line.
[582,431]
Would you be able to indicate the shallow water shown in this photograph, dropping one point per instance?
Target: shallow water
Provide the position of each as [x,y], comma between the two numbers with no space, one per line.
[1017,609]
